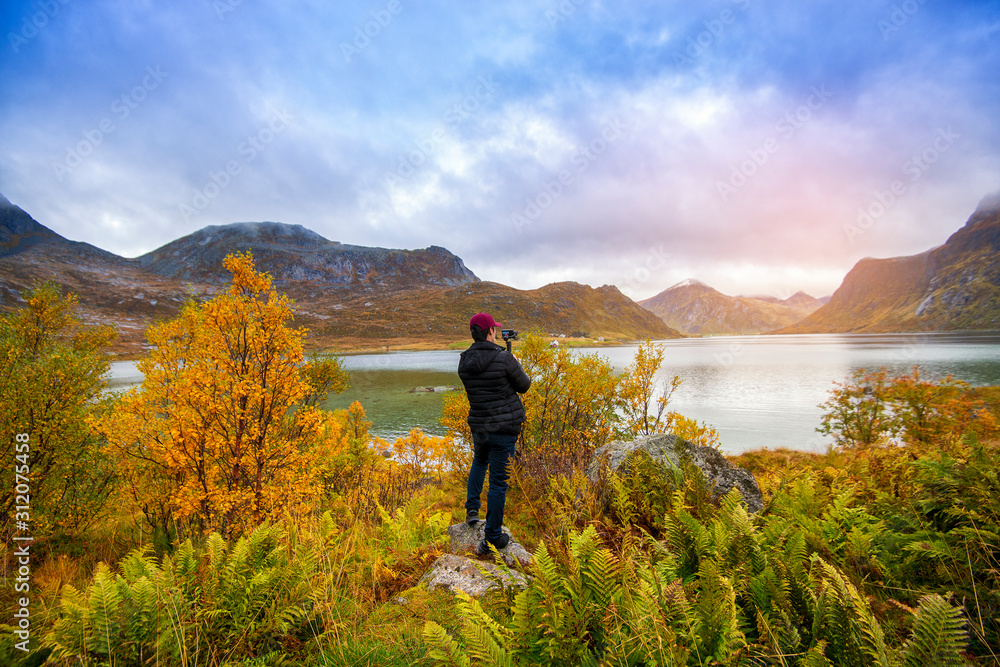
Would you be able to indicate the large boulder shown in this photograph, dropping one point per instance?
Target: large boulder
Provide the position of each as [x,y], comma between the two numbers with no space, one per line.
[466,539]
[455,573]
[670,450]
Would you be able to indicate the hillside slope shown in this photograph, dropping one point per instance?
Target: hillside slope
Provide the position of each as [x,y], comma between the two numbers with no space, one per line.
[442,314]
[955,286]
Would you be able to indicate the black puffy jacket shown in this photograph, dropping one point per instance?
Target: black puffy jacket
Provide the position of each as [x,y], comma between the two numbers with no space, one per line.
[493,378]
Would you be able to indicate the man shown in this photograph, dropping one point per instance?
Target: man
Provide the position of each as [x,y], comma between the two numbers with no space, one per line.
[493,378]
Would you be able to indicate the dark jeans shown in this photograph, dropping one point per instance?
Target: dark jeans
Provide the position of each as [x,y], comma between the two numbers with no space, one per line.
[490,450]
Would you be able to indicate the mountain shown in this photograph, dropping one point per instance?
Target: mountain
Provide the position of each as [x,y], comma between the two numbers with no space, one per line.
[111,289]
[347,296]
[20,233]
[294,253]
[693,307]
[955,286]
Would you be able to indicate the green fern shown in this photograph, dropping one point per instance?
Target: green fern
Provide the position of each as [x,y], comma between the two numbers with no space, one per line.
[70,631]
[229,605]
[844,619]
[602,577]
[816,656]
[687,536]
[442,649]
[939,635]
[742,548]
[718,617]
[486,640]
[104,600]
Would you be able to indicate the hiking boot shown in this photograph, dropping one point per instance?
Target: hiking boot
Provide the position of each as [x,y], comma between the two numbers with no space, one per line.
[484,546]
[484,549]
[471,517]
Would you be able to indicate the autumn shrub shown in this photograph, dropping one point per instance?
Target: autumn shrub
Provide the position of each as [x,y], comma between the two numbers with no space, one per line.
[937,414]
[223,433]
[421,453]
[570,407]
[51,376]
[578,403]
[357,479]
[873,407]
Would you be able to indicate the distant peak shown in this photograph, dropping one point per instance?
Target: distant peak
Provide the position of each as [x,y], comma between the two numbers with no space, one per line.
[261,228]
[689,282]
[799,297]
[5,203]
[989,203]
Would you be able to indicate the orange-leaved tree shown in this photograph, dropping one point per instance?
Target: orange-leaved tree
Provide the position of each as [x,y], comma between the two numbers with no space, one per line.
[570,407]
[937,412]
[644,412]
[873,407]
[223,433]
[857,414]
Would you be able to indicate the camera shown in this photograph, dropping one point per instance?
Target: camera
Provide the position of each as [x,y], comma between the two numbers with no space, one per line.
[508,334]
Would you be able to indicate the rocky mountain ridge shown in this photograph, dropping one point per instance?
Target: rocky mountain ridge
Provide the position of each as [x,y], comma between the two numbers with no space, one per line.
[955,286]
[294,253]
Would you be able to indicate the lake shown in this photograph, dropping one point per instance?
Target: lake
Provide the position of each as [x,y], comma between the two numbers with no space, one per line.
[757,391]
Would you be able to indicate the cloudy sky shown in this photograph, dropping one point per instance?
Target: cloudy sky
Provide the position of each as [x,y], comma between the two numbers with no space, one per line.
[760,146]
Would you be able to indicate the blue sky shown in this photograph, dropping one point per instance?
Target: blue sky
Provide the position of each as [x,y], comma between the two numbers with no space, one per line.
[760,147]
